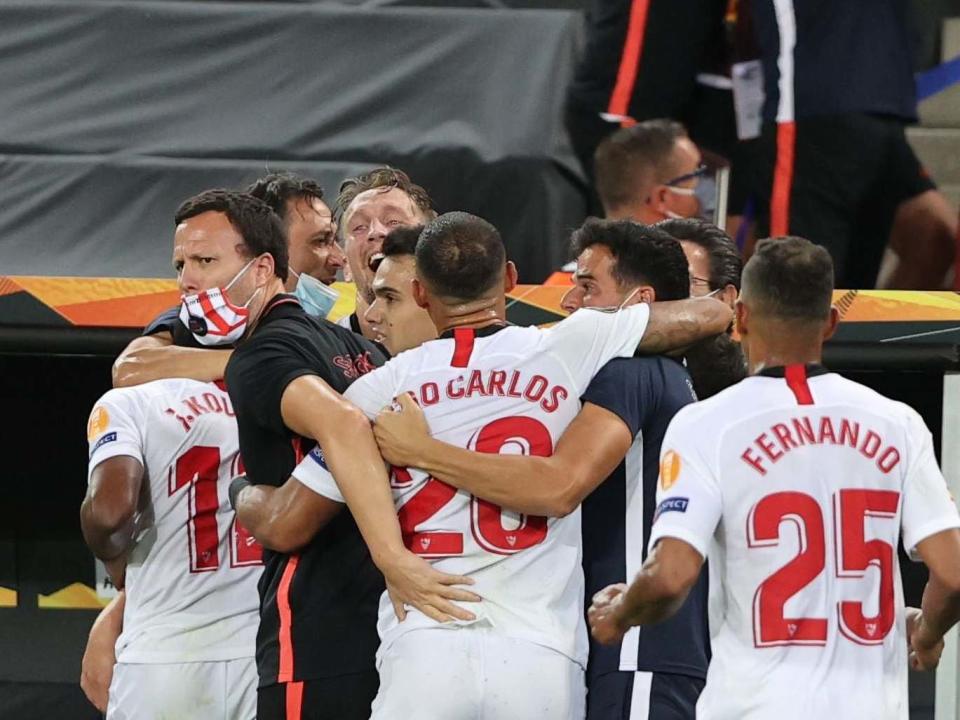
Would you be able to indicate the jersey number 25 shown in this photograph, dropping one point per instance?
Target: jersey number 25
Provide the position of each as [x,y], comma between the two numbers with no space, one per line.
[854,556]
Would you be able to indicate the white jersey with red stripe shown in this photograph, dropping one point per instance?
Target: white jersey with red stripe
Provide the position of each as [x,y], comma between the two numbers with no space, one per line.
[796,483]
[498,390]
[192,573]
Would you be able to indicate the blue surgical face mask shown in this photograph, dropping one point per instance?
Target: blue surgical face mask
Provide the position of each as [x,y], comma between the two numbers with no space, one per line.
[316,298]
[706,194]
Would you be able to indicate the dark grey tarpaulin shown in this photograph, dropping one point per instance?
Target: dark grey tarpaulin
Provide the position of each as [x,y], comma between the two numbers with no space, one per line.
[113,112]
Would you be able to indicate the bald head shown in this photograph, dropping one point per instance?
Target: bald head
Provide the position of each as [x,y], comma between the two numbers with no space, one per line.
[789,279]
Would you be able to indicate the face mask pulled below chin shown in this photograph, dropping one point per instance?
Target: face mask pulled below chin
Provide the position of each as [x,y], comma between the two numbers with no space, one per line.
[616,308]
[211,318]
[316,298]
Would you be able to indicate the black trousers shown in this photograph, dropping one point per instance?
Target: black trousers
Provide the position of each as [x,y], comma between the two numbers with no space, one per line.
[347,697]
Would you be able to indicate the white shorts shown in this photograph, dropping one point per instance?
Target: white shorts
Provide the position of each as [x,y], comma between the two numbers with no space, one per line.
[201,690]
[473,673]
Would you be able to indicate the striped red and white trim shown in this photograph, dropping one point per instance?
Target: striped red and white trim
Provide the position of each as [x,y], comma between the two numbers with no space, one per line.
[285,670]
[786,120]
[796,377]
[463,339]
[629,68]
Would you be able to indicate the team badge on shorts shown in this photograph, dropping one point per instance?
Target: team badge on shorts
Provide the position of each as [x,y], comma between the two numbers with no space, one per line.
[669,469]
[98,423]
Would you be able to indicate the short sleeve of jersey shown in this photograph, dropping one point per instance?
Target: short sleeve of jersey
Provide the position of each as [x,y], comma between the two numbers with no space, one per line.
[258,374]
[114,427]
[375,390]
[625,387]
[166,321]
[689,502]
[928,507]
[314,474]
[590,338]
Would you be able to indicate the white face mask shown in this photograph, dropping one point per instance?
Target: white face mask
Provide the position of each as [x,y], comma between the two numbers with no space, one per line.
[316,298]
[211,318]
[617,308]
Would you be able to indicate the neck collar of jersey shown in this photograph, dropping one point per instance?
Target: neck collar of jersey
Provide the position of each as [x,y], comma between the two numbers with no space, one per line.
[780,371]
[484,331]
[280,305]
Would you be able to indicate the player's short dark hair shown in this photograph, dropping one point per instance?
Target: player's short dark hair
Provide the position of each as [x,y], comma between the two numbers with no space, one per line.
[790,278]
[726,265]
[258,225]
[715,364]
[399,242]
[460,256]
[276,189]
[385,178]
[643,255]
[635,157]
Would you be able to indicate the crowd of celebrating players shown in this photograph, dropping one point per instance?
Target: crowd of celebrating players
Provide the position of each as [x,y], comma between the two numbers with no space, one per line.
[425,512]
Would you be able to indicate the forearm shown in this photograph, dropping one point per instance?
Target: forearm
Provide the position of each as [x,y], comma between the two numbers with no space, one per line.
[661,586]
[109,623]
[940,606]
[354,460]
[527,484]
[108,535]
[148,364]
[679,324]
[256,511]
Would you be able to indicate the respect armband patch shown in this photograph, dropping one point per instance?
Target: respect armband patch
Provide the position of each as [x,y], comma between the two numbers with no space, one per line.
[108,438]
[674,504]
[317,456]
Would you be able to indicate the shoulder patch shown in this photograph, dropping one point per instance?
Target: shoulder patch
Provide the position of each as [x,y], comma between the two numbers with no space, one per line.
[108,438]
[670,466]
[98,423]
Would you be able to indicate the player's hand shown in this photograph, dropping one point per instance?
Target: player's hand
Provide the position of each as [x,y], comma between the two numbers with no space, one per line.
[925,649]
[604,615]
[401,434]
[411,580]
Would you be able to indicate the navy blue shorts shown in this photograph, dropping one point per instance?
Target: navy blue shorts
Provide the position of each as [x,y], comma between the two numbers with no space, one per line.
[643,696]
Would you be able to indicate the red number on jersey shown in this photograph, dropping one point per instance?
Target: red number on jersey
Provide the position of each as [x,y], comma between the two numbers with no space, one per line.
[486,519]
[198,469]
[426,503]
[770,627]
[855,555]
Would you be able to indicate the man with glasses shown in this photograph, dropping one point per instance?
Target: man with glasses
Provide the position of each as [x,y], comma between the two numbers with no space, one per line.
[715,267]
[652,171]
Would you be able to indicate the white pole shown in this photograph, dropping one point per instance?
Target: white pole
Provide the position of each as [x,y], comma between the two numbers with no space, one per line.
[947,704]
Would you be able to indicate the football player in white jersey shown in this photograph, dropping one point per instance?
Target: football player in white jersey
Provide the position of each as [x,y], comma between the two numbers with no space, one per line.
[797,484]
[494,388]
[161,459]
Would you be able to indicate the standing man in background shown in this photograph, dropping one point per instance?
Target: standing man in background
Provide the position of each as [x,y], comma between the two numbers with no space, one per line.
[835,165]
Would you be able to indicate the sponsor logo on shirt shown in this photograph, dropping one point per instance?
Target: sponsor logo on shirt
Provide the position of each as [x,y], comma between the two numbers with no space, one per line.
[669,469]
[108,438]
[674,504]
[98,423]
